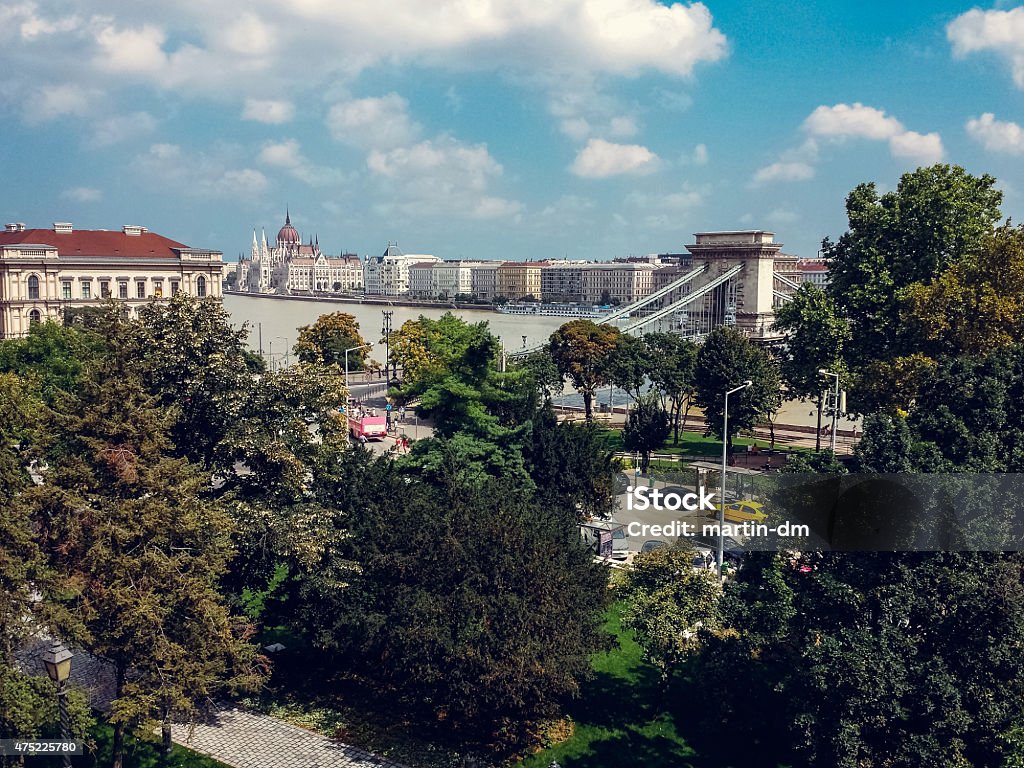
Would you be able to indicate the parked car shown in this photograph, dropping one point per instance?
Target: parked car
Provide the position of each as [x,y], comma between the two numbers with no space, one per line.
[652,545]
[744,512]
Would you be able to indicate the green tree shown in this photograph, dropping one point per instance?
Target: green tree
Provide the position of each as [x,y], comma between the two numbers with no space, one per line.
[646,429]
[673,360]
[936,218]
[477,610]
[52,355]
[815,334]
[326,340]
[727,359]
[580,349]
[629,364]
[671,605]
[124,523]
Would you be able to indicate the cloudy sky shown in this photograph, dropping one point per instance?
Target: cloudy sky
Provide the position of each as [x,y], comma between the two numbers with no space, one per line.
[496,128]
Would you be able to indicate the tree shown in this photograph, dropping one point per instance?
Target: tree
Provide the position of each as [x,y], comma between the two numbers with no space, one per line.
[476,610]
[647,427]
[123,522]
[629,365]
[51,355]
[815,334]
[326,340]
[936,218]
[726,360]
[672,361]
[976,305]
[580,349]
[671,605]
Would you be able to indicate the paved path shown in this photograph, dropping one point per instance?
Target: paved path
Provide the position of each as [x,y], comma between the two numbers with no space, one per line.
[244,739]
[235,737]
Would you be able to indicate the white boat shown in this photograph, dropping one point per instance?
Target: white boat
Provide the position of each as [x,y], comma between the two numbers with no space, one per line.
[584,311]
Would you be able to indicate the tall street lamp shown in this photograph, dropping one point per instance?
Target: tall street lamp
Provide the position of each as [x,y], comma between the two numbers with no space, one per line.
[57,661]
[352,349]
[835,405]
[725,460]
[386,333]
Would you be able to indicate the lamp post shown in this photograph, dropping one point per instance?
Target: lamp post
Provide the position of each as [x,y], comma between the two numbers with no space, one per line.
[57,661]
[725,459]
[835,406]
[386,333]
[352,349]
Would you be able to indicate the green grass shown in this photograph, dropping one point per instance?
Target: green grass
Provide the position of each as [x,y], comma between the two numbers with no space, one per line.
[621,719]
[690,444]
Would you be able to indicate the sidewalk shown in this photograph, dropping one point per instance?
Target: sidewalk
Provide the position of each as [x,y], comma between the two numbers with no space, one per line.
[235,737]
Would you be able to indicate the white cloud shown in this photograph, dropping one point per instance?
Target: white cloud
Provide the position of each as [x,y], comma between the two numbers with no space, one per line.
[785,171]
[271,111]
[996,31]
[441,176]
[602,159]
[622,127]
[840,122]
[924,149]
[204,175]
[115,129]
[82,194]
[134,51]
[288,156]
[851,120]
[996,135]
[378,122]
[782,216]
[52,101]
[697,156]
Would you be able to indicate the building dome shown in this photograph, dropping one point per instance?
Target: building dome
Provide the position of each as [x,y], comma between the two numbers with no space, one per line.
[288,235]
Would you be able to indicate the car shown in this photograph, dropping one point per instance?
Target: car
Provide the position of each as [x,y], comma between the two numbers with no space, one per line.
[733,550]
[744,512]
[652,545]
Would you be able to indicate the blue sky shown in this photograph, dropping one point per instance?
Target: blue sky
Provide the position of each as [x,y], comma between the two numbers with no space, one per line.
[496,128]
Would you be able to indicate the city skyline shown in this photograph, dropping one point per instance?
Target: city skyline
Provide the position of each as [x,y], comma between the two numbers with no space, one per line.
[498,131]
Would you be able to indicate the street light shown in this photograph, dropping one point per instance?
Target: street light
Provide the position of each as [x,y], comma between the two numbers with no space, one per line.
[386,333]
[352,349]
[57,661]
[725,459]
[835,406]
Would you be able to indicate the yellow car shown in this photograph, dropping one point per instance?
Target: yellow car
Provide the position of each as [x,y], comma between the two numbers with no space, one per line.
[744,512]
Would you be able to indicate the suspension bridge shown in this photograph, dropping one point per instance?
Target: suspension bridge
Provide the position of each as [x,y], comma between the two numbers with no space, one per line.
[731,281]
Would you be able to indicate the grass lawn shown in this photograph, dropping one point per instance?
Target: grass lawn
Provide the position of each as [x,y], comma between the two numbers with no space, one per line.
[690,444]
[624,719]
[620,718]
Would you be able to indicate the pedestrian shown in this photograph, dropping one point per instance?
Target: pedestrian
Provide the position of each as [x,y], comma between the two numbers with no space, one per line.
[405,443]
[401,414]
[362,440]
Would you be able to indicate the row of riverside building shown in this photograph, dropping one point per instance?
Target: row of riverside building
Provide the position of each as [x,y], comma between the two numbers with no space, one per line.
[291,267]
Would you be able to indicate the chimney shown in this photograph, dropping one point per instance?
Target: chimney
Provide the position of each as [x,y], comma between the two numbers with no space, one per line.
[10,227]
[133,230]
[63,227]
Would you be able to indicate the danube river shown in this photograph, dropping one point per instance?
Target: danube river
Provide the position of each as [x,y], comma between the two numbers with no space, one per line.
[278,321]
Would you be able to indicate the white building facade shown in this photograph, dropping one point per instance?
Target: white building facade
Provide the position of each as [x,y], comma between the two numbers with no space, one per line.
[43,272]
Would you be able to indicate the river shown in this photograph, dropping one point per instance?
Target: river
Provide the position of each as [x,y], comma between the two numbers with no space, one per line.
[278,321]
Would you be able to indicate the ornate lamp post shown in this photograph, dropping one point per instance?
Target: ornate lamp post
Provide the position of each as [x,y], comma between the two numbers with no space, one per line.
[57,661]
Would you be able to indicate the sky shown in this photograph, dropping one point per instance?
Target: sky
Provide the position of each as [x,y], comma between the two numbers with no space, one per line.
[496,129]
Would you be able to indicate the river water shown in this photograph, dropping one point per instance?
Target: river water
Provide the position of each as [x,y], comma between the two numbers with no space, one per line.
[278,321]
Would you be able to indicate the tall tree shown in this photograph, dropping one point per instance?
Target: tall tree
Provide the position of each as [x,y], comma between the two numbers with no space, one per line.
[936,218]
[815,334]
[673,360]
[727,359]
[629,365]
[326,340]
[478,610]
[646,429]
[581,349]
[124,522]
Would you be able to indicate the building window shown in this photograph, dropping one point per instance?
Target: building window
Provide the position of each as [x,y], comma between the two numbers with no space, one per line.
[34,316]
[201,286]
[104,289]
[86,290]
[158,288]
[140,290]
[122,290]
[33,287]
[175,287]
[65,289]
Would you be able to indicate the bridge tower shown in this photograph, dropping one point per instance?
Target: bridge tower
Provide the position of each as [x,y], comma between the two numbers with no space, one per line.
[747,301]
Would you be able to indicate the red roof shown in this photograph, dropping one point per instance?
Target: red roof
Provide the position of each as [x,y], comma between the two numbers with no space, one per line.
[96,242]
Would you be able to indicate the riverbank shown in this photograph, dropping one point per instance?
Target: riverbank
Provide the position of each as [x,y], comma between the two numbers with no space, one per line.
[384,301]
